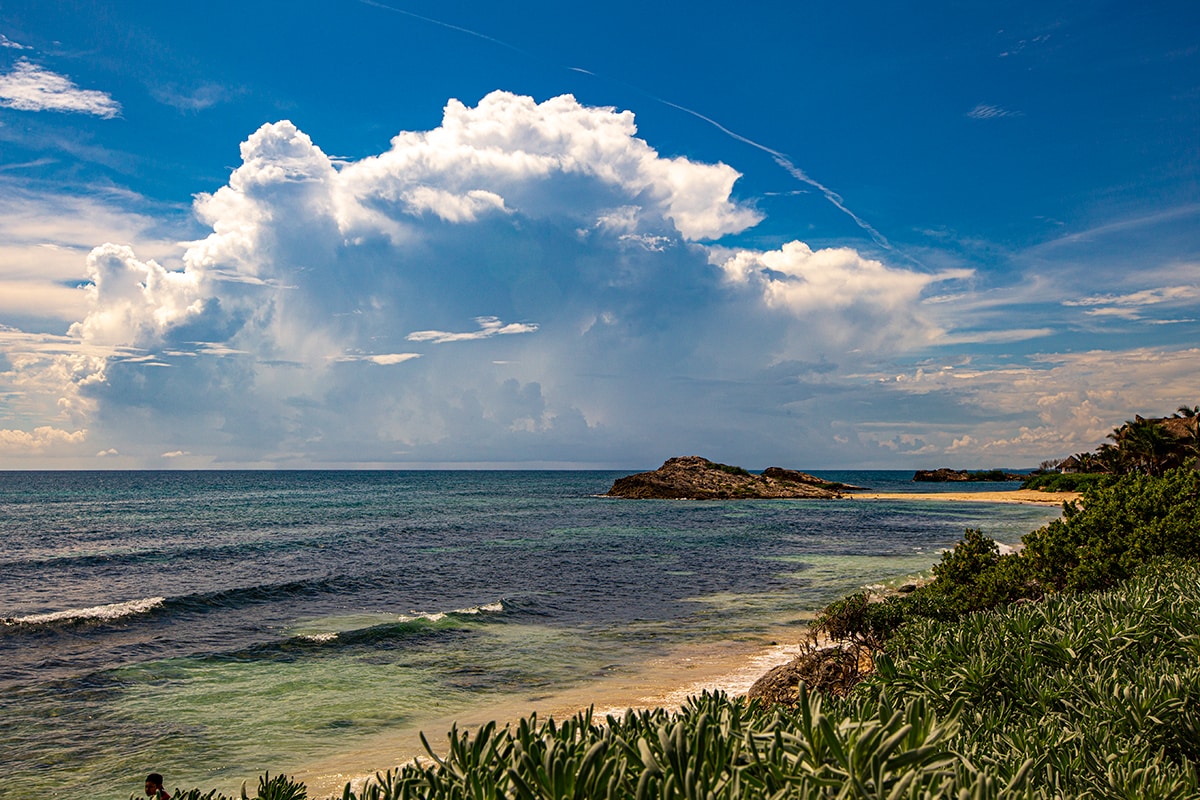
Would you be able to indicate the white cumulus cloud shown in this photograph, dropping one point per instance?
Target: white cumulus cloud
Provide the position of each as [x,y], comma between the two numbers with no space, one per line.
[134,302]
[42,438]
[858,298]
[510,151]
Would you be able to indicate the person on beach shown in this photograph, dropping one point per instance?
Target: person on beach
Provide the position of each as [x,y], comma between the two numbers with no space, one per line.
[154,787]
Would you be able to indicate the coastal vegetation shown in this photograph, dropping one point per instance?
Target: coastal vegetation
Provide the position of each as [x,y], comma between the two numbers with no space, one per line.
[1063,481]
[1145,446]
[1120,525]
[1068,669]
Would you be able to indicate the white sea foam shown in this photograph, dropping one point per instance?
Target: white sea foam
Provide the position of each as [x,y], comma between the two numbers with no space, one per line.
[438,616]
[110,611]
[327,629]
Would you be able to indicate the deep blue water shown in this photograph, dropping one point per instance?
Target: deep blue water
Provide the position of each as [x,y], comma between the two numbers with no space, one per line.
[217,624]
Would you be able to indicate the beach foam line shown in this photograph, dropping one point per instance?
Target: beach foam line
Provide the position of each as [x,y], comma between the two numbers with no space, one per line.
[104,613]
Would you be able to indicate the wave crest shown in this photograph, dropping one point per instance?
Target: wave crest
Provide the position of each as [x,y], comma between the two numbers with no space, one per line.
[354,629]
[103,613]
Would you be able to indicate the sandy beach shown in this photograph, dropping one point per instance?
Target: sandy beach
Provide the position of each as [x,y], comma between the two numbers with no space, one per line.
[667,681]
[1031,496]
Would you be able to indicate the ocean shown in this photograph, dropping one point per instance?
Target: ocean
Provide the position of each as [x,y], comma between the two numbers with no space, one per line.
[216,625]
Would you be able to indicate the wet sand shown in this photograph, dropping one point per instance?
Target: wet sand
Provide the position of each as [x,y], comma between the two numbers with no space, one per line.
[1009,496]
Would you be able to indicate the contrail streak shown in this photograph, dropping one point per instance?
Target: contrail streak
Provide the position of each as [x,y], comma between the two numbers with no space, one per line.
[780,158]
[441,24]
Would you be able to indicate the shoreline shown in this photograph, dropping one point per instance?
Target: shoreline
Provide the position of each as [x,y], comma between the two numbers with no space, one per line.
[665,681]
[1027,496]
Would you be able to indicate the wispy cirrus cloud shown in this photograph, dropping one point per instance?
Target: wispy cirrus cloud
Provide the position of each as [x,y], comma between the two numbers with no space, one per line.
[10,44]
[193,100]
[488,327]
[382,359]
[29,87]
[1129,306]
[988,111]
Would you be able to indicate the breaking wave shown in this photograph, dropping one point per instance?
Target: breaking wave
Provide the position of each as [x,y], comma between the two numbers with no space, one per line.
[401,622]
[103,613]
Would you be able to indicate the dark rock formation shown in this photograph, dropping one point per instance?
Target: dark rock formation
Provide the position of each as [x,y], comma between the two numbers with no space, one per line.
[947,475]
[696,478]
[830,670]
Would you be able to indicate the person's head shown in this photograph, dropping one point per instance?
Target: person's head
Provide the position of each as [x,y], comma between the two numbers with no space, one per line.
[154,783]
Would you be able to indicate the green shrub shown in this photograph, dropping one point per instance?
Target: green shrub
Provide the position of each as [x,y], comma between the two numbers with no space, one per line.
[1121,525]
[1095,694]
[280,787]
[1065,482]
[728,468]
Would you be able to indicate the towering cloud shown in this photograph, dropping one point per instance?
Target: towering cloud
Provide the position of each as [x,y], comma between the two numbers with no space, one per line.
[527,280]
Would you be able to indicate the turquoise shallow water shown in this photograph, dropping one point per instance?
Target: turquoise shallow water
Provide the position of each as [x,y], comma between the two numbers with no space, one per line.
[215,625]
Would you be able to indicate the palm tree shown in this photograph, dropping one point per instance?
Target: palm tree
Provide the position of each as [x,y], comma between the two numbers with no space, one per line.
[1191,446]
[1188,412]
[1149,446]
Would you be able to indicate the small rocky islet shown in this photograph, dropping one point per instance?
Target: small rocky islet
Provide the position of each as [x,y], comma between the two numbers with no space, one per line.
[947,475]
[697,478]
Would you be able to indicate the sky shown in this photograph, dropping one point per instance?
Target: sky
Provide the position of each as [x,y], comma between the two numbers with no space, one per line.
[385,234]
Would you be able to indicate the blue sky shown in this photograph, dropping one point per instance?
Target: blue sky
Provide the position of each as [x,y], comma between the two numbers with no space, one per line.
[356,234]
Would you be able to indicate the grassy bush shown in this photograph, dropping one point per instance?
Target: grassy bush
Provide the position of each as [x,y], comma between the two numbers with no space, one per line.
[712,748]
[280,787]
[727,468]
[1094,694]
[1065,481]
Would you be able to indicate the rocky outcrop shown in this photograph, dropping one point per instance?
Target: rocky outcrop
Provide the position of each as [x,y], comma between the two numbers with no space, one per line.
[696,478]
[947,475]
[831,670]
